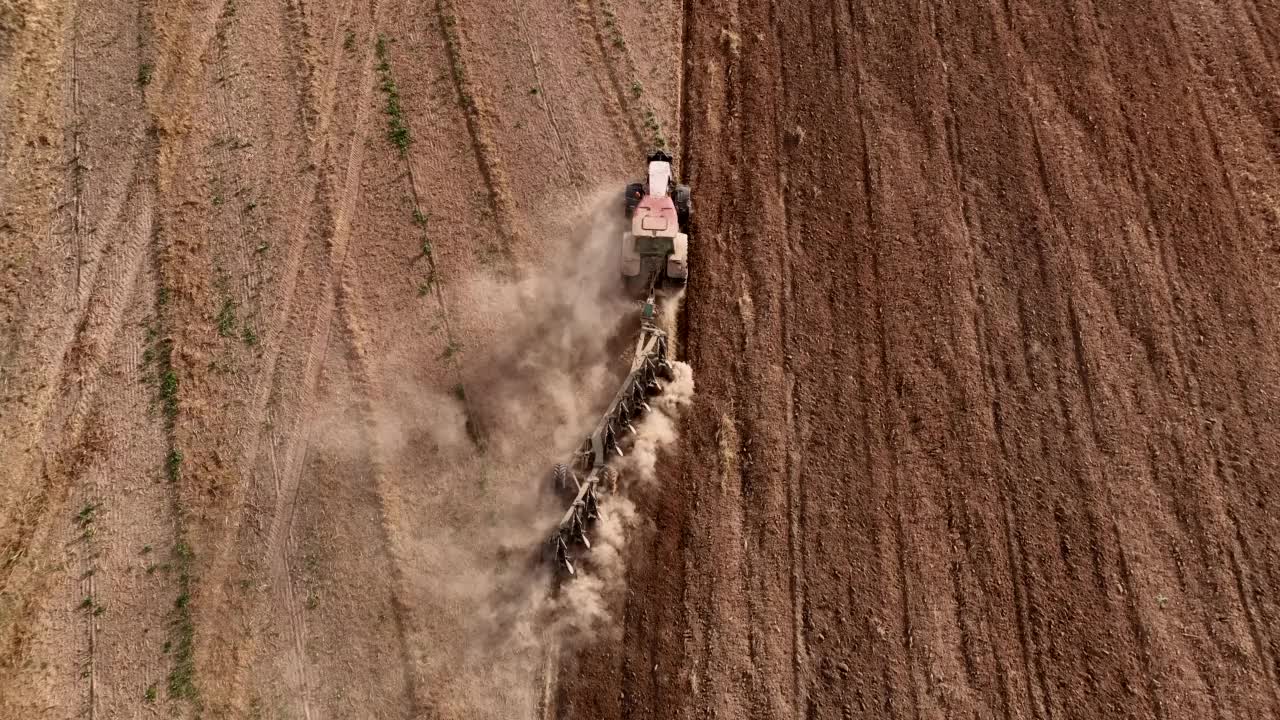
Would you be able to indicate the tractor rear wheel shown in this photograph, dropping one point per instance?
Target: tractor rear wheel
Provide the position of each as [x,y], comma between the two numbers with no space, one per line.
[684,206]
[632,197]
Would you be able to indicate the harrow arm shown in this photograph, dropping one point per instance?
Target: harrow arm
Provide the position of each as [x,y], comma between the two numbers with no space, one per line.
[648,365]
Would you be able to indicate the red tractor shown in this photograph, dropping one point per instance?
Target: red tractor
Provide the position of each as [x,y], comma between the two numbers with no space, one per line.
[655,245]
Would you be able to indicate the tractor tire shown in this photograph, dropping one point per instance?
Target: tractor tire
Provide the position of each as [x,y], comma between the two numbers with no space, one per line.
[684,206]
[632,197]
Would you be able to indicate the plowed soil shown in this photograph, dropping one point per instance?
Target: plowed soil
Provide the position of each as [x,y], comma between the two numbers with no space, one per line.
[298,302]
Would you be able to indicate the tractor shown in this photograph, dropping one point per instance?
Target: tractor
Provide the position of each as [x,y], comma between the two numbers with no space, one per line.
[655,245]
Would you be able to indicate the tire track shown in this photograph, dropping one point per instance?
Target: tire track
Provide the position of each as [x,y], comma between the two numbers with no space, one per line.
[298,667]
[346,297]
[103,319]
[90,506]
[230,142]
[642,111]
[299,228]
[793,463]
[84,349]
[475,106]
[95,302]
[77,169]
[389,508]
[332,221]
[316,109]
[572,176]
[588,13]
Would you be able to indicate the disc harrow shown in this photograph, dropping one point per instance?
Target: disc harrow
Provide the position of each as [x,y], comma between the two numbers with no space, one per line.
[589,475]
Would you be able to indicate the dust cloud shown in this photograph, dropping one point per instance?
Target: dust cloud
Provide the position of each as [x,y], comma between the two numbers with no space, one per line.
[657,429]
[484,616]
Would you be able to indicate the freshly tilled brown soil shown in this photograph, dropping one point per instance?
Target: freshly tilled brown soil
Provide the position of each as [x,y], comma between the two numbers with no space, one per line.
[984,318]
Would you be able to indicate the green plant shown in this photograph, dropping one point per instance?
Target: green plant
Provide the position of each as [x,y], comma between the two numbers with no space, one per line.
[636,89]
[173,465]
[350,40]
[182,677]
[169,391]
[249,336]
[86,603]
[144,75]
[424,288]
[227,318]
[99,609]
[86,513]
[397,131]
[146,549]
[218,199]
[150,694]
[419,217]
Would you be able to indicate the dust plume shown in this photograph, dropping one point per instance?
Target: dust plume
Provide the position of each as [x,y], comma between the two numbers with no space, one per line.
[540,364]
[658,429]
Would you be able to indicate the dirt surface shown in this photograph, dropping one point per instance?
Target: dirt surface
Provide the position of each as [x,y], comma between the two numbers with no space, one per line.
[293,319]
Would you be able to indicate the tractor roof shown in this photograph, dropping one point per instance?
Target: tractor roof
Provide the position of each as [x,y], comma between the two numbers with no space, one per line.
[659,178]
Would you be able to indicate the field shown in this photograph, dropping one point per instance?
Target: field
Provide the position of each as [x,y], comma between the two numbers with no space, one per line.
[300,301]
